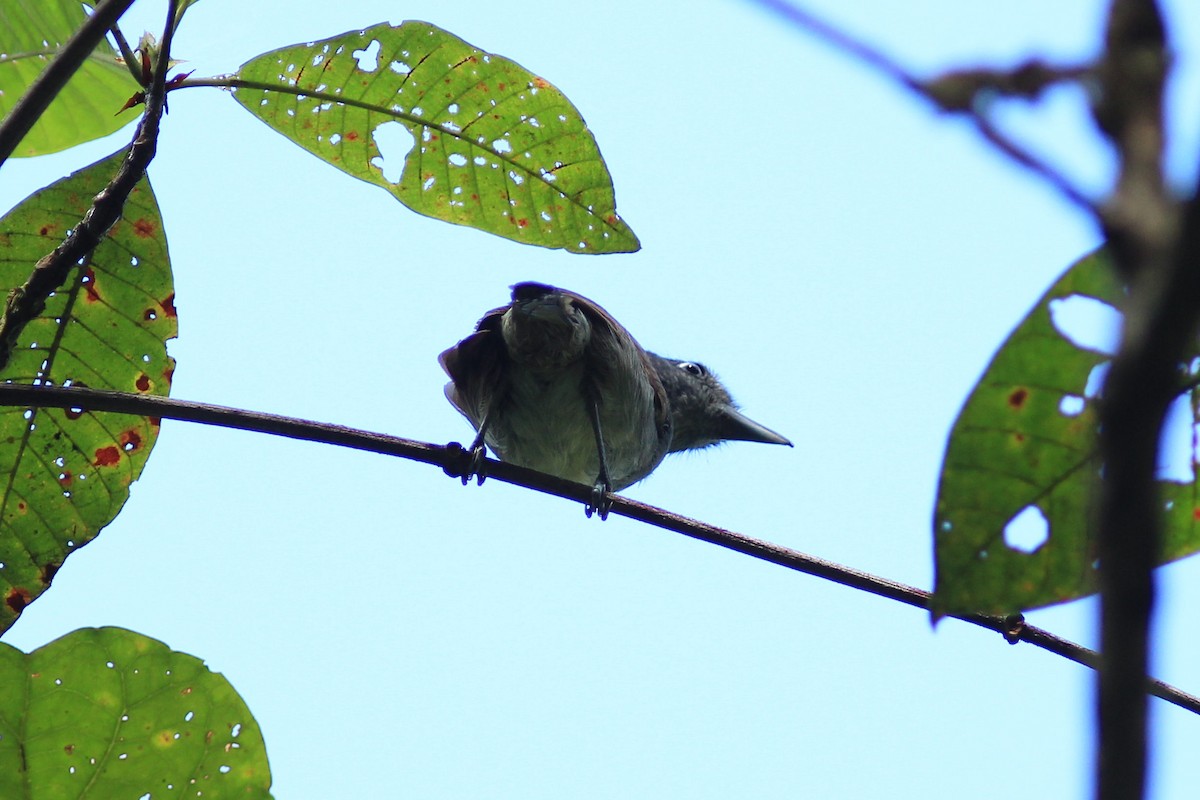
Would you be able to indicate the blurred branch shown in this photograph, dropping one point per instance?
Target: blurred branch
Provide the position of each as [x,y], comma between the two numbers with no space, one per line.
[29,300]
[45,87]
[1157,258]
[963,92]
[454,460]
[1157,255]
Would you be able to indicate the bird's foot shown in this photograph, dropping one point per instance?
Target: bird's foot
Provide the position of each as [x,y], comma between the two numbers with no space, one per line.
[600,502]
[478,466]
[463,463]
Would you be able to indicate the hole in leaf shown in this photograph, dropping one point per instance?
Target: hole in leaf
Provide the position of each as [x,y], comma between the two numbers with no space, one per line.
[1087,323]
[368,58]
[1175,451]
[1027,531]
[1071,405]
[395,143]
[1096,378]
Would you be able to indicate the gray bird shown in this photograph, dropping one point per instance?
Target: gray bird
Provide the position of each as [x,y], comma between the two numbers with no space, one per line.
[552,382]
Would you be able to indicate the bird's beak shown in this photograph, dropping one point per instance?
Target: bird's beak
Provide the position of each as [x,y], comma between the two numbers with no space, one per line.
[736,425]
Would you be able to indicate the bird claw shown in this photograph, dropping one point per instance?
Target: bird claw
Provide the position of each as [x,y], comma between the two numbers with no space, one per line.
[600,502]
[464,463]
[477,466]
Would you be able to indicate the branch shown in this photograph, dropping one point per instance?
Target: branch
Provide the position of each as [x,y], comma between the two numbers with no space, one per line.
[1158,260]
[28,301]
[453,460]
[957,92]
[45,87]
[1142,224]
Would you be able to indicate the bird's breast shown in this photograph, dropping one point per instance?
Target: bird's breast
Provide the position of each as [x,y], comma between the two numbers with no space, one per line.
[546,424]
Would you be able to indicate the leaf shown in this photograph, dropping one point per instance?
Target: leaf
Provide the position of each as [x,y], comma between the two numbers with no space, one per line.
[66,473]
[1026,440]
[496,147]
[31,34]
[106,712]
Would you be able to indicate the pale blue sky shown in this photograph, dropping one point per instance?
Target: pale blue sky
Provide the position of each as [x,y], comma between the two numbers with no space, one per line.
[844,258]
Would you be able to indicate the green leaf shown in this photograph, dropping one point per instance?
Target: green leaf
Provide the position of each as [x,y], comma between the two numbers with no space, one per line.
[1013,448]
[106,712]
[66,473]
[495,146]
[1025,444]
[31,34]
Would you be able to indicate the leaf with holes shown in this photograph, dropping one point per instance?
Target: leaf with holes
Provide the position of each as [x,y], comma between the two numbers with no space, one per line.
[106,712]
[488,143]
[31,34]
[66,473]
[1023,453]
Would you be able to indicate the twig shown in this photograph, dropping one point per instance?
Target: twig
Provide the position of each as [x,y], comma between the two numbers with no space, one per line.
[861,51]
[29,300]
[947,93]
[452,458]
[1032,163]
[46,86]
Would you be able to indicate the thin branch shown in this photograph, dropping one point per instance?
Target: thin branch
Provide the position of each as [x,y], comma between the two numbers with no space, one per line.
[28,301]
[859,50]
[947,93]
[46,86]
[1032,163]
[453,460]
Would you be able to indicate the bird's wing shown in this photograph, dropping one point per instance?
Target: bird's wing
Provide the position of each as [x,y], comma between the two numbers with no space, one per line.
[608,338]
[476,368]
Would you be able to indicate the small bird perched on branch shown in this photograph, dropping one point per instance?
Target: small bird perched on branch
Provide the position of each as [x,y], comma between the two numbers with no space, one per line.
[552,382]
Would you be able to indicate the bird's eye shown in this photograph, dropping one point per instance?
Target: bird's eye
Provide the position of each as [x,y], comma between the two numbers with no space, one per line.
[692,368]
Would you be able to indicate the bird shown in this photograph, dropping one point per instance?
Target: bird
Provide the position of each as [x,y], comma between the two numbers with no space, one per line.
[552,382]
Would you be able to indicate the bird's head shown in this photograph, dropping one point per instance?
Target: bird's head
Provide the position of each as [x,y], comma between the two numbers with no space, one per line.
[702,411]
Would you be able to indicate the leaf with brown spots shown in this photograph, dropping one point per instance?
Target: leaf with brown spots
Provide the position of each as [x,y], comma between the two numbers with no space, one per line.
[66,473]
[493,146]
[31,35]
[105,712]
[1024,444]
